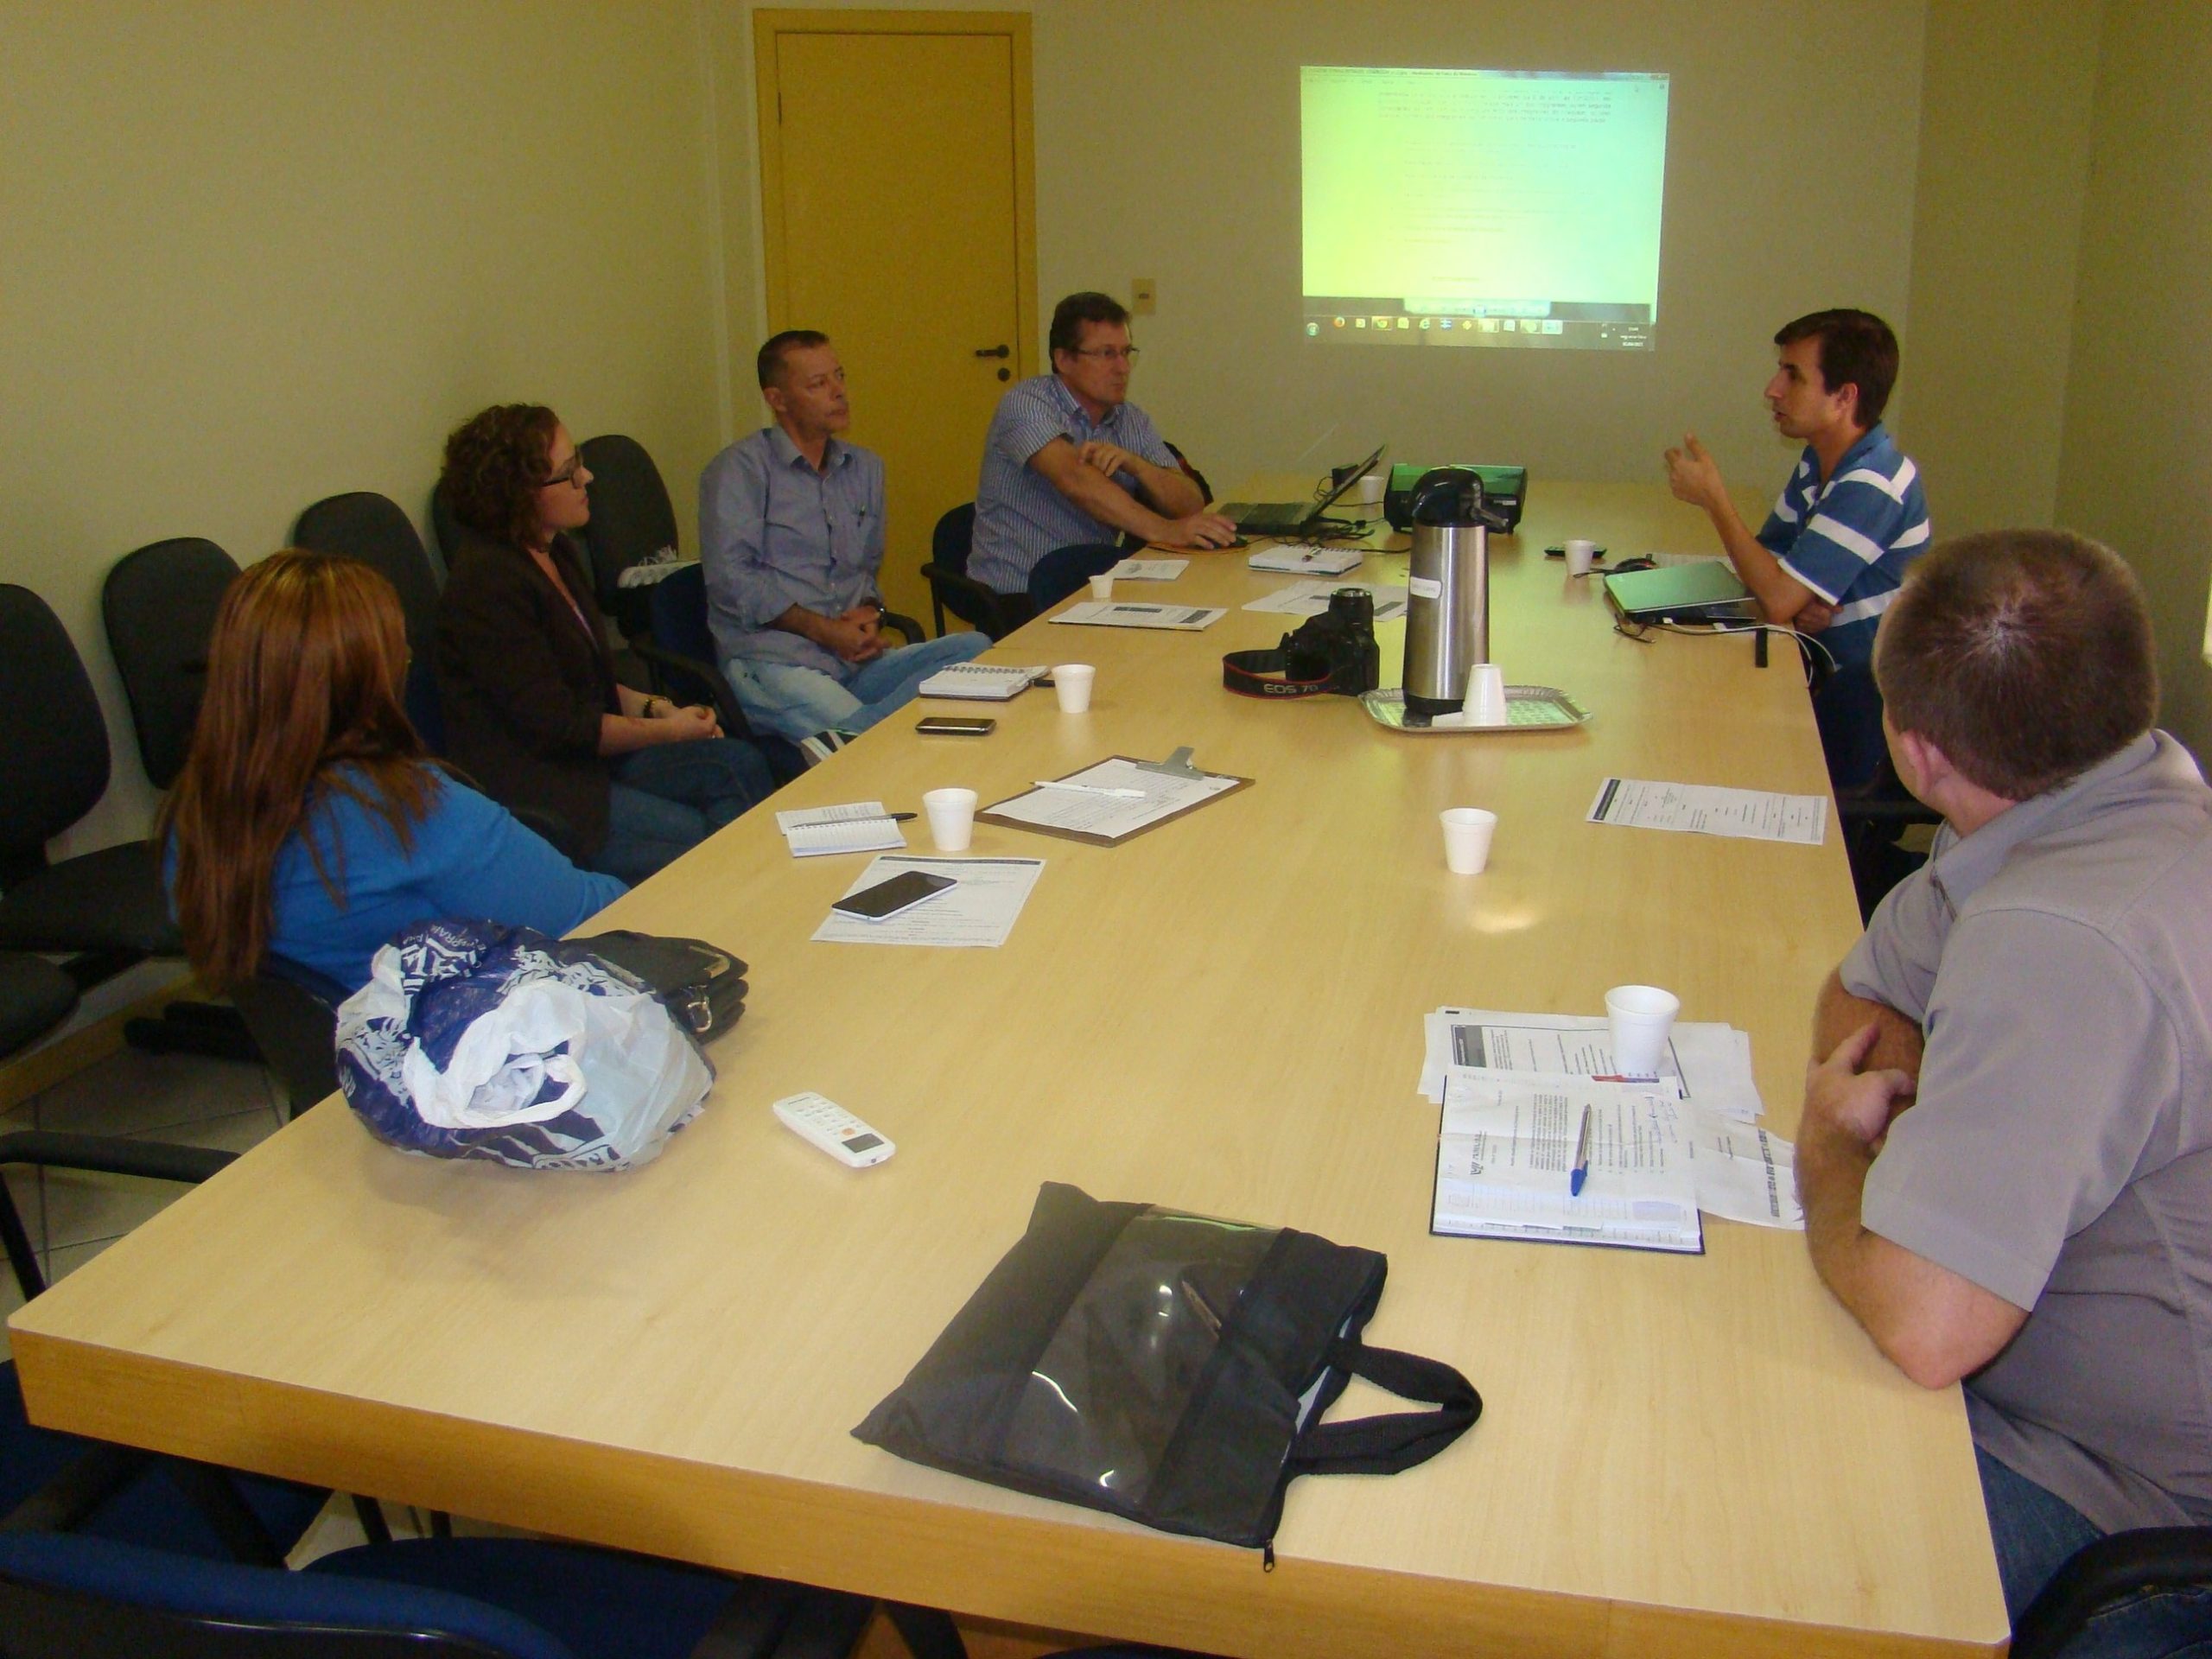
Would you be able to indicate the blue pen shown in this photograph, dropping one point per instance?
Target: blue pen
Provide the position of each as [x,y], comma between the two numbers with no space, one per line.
[1581,1158]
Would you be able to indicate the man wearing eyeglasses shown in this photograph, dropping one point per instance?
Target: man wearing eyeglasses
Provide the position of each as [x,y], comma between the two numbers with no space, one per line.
[1070,460]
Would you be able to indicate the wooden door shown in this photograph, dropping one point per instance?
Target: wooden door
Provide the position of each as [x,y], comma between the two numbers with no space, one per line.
[897,200]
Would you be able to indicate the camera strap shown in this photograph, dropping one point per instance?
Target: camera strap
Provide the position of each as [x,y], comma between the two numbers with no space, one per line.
[1267,674]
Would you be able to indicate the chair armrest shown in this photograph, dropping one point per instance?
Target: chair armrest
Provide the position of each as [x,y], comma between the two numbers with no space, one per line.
[678,674]
[968,598]
[2123,1563]
[914,630]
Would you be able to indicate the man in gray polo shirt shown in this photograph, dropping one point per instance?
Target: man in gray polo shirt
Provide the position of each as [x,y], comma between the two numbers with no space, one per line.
[790,539]
[1070,460]
[2006,1159]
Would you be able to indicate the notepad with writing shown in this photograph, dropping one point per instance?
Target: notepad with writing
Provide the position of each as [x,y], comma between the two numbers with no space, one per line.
[980,681]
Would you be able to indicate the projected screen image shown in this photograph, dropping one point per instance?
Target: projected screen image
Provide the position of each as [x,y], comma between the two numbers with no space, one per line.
[1482,207]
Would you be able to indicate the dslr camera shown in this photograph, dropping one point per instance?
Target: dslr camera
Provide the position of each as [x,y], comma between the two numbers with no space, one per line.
[1335,651]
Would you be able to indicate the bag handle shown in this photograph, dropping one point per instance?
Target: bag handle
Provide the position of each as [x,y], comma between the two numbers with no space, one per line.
[1397,1440]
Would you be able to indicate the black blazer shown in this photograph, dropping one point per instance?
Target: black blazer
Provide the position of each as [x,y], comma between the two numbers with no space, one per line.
[523,684]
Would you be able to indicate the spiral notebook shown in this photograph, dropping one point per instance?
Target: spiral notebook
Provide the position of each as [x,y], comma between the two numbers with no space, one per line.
[980,681]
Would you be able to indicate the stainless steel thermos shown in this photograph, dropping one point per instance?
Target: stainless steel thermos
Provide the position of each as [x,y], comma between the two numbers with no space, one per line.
[1448,609]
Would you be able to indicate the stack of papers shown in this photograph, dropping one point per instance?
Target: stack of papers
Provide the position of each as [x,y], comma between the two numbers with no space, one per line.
[1149,569]
[1306,561]
[1513,1089]
[1120,613]
[980,681]
[1311,598]
[861,827]
[1708,1065]
[978,911]
[1109,802]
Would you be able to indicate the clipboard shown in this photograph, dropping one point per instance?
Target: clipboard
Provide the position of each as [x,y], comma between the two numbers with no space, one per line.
[993,815]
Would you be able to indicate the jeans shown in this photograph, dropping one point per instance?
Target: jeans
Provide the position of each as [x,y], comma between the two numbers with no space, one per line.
[1848,710]
[665,800]
[2035,1532]
[795,703]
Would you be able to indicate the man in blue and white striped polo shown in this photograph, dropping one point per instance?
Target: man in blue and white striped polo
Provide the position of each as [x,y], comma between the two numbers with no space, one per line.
[1851,519]
[1070,460]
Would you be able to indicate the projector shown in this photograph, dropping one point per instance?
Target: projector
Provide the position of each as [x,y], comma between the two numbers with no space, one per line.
[1504,487]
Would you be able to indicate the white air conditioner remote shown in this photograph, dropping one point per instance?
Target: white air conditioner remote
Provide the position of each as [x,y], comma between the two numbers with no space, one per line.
[833,1129]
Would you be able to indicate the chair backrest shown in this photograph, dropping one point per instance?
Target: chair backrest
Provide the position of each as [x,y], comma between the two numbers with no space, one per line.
[159,604]
[370,527]
[954,538]
[62,1595]
[1063,570]
[292,1013]
[631,522]
[680,614]
[53,752]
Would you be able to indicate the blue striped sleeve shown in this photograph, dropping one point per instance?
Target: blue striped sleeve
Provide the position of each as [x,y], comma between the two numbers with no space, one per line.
[1856,526]
[1025,422]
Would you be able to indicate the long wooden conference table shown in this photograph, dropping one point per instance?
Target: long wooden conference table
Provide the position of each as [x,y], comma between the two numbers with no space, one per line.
[1678,1455]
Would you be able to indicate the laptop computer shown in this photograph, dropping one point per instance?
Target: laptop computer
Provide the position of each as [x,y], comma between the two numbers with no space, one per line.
[1706,591]
[1289,517]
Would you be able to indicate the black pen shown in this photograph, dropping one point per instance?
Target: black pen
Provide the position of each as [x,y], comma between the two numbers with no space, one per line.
[900,818]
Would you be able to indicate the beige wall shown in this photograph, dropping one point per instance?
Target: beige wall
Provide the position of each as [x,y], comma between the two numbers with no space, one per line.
[256,252]
[2134,470]
[2004,166]
[1167,147]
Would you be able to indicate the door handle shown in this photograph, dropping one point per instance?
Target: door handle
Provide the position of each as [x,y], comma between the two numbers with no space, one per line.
[997,351]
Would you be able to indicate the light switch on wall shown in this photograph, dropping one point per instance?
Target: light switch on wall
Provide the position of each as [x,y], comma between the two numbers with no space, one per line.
[1143,299]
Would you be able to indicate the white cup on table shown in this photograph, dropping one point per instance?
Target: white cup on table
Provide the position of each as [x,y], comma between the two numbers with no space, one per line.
[1467,832]
[1370,489]
[952,817]
[1638,1018]
[1102,585]
[1071,683]
[1580,553]
[1484,703]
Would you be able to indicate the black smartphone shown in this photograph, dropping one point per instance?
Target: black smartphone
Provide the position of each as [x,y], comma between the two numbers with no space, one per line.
[955,726]
[1561,553]
[888,898]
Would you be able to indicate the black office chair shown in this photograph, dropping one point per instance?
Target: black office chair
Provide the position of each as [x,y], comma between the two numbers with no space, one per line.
[1065,570]
[370,527]
[292,1012]
[35,996]
[679,651]
[2099,1575]
[631,523]
[447,530]
[1873,816]
[1205,490]
[952,589]
[159,604]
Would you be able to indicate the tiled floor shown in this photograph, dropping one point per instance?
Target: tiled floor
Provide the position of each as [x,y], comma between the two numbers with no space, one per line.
[72,1216]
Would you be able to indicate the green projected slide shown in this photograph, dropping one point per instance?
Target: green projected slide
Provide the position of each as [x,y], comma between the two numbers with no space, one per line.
[1482,207]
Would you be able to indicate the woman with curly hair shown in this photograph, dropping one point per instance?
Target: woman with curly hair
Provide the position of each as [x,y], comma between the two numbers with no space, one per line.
[307,822]
[532,705]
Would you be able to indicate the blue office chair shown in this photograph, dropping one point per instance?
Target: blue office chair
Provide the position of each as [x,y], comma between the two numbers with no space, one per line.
[67,1595]
[680,653]
[50,1480]
[1065,569]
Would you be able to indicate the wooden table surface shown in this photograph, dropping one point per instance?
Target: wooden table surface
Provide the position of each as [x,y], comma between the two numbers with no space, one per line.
[1678,1455]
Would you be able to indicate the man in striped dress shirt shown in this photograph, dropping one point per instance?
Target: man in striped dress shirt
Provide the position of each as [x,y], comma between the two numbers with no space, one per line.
[1848,525]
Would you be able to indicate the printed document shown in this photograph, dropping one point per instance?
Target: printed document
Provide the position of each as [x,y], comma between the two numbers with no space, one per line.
[1149,569]
[1710,1064]
[979,909]
[1311,598]
[1128,614]
[1081,804]
[1706,809]
[1503,1136]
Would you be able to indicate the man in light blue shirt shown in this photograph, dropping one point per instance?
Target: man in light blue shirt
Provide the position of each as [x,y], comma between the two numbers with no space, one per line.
[1848,525]
[791,538]
[1070,460]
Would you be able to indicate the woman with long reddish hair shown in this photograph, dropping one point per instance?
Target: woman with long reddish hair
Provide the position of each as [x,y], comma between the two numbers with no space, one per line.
[308,823]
